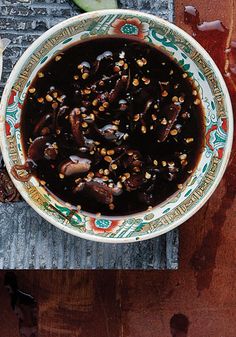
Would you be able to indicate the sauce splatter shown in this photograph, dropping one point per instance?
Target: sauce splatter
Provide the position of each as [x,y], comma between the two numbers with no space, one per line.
[211,34]
[216,39]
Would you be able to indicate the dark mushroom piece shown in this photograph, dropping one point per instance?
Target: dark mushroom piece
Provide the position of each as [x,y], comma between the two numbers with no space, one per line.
[106,56]
[170,113]
[123,105]
[75,165]
[35,153]
[74,119]
[89,144]
[111,133]
[36,149]
[134,159]
[134,182]
[147,106]
[51,152]
[121,85]
[41,123]
[101,192]
[62,111]
[97,190]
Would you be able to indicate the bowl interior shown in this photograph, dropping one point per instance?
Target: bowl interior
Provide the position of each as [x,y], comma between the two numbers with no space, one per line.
[198,66]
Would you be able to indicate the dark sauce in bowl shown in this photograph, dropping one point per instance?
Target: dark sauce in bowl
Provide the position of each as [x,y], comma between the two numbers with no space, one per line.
[112,125]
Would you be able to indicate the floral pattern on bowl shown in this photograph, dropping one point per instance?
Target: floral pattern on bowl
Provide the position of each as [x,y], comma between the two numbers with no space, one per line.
[218,118]
[131,27]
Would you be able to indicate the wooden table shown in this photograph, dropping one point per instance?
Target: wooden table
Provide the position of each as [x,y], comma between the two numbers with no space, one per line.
[141,303]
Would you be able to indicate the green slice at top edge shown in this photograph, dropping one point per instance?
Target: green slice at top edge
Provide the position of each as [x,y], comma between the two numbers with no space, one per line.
[94,5]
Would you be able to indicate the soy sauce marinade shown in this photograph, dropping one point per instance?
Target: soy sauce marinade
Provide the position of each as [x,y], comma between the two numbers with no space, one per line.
[112,126]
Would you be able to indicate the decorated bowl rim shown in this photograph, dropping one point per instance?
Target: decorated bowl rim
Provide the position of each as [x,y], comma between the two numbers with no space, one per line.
[29,51]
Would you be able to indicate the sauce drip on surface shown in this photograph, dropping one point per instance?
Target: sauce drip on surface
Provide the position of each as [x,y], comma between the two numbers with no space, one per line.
[215,37]
[211,34]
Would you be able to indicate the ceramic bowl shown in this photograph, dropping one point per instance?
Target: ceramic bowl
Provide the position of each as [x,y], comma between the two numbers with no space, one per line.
[218,120]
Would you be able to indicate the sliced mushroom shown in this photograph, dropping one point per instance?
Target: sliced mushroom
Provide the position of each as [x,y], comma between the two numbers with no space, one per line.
[107,55]
[41,123]
[134,182]
[62,111]
[75,126]
[51,151]
[36,149]
[101,192]
[75,165]
[170,113]
[98,190]
[121,84]
[116,191]
[84,65]
[79,187]
[123,104]
[35,153]
[147,106]
[134,159]
[90,144]
[110,132]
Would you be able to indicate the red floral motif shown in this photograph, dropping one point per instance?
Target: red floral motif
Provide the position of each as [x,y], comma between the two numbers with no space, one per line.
[12,97]
[215,137]
[224,124]
[208,136]
[8,129]
[132,27]
[220,152]
[96,225]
